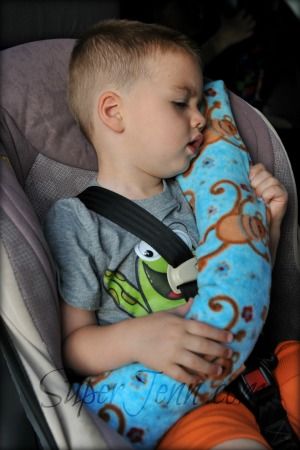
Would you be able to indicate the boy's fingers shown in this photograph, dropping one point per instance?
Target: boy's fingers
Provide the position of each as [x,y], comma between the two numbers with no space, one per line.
[180,374]
[183,375]
[263,183]
[255,169]
[203,346]
[200,365]
[273,193]
[209,332]
[260,177]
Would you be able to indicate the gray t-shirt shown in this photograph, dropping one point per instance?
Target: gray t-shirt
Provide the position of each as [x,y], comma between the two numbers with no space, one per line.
[106,269]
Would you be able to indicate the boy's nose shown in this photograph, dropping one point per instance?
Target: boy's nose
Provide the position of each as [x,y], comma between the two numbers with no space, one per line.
[199,121]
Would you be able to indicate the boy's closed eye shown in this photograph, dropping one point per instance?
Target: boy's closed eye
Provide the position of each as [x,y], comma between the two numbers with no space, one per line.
[180,104]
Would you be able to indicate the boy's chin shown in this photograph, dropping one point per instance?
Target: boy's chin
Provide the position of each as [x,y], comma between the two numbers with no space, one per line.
[178,170]
[185,167]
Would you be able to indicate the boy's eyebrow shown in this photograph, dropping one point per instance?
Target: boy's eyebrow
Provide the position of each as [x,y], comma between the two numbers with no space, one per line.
[190,91]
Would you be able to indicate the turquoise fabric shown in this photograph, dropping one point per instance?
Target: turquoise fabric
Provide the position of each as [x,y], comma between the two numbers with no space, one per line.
[233,284]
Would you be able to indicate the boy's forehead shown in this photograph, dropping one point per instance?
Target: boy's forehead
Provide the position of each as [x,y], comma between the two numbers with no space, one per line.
[185,75]
[181,68]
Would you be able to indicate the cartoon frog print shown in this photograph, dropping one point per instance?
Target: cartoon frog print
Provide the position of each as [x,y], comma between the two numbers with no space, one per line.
[153,292]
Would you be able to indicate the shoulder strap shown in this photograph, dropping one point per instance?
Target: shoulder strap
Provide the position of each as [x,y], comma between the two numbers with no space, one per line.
[142,224]
[138,221]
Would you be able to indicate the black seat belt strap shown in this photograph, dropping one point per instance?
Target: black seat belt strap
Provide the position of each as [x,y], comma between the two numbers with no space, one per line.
[138,221]
[142,224]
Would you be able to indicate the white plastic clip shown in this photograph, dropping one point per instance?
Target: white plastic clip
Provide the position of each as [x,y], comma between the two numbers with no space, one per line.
[184,273]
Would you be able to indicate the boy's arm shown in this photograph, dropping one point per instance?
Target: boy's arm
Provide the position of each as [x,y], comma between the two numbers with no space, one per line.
[89,348]
[163,341]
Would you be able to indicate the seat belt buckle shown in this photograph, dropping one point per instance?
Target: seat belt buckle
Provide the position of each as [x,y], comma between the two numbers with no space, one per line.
[257,384]
[184,273]
[256,380]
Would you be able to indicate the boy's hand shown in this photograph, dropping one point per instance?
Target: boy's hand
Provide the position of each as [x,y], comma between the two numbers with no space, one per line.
[169,343]
[271,191]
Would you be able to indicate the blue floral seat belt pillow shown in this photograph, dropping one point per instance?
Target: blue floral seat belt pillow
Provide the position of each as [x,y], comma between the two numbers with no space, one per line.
[234,277]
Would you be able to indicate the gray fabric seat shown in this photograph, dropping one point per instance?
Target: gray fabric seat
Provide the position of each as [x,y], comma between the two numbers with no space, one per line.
[44,157]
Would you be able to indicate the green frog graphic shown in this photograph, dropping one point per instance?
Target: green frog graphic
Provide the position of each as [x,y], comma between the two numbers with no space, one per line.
[153,292]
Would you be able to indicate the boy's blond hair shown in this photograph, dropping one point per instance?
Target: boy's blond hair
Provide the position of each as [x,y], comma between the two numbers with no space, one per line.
[113,53]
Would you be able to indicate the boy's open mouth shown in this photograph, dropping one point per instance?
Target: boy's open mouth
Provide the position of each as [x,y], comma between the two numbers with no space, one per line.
[195,144]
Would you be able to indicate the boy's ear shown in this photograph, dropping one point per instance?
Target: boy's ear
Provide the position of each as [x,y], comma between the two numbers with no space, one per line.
[109,111]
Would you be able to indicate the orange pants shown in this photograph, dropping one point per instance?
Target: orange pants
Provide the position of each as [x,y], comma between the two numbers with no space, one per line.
[227,419]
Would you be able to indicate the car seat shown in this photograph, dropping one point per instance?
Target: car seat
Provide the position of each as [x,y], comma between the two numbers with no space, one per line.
[44,157]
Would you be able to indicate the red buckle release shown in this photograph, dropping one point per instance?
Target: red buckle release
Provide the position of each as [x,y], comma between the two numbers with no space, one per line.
[256,380]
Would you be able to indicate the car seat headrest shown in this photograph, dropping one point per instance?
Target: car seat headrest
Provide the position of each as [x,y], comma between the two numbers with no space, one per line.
[34,101]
